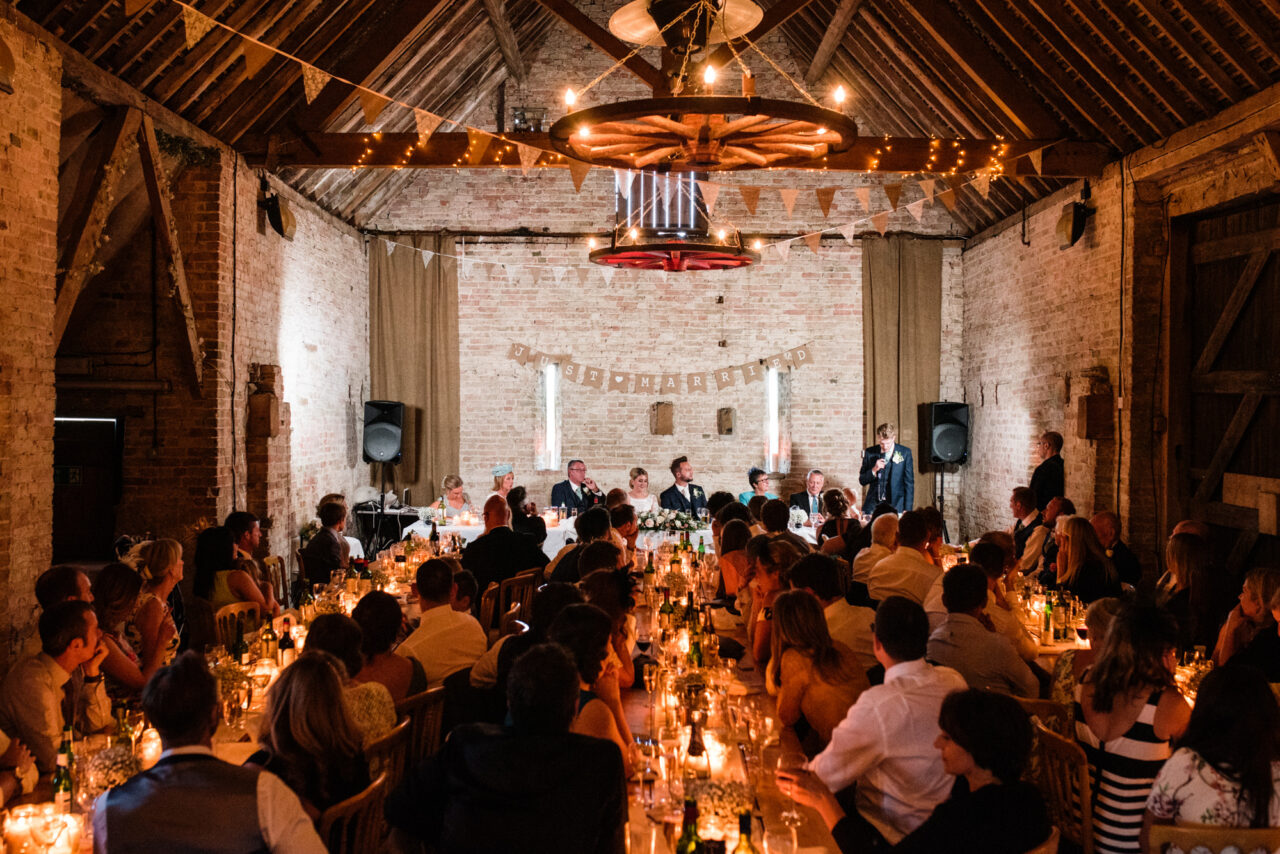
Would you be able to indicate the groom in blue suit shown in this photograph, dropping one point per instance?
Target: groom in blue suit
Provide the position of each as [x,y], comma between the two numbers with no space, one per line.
[684,495]
[887,468]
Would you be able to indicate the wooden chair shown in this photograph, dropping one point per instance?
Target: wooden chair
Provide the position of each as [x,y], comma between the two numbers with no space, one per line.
[1050,845]
[226,617]
[425,712]
[1055,716]
[389,755]
[1216,839]
[510,623]
[518,591]
[1063,780]
[302,566]
[277,577]
[489,605]
[354,826]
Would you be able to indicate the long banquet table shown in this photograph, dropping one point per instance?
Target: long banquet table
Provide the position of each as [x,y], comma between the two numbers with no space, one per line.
[551,546]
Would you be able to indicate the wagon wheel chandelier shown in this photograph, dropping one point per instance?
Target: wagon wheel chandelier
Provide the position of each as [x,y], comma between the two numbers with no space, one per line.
[651,251]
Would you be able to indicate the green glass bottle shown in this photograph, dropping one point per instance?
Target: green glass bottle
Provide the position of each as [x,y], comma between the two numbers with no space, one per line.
[62,785]
[650,570]
[689,842]
[744,845]
[270,640]
[288,650]
[1046,632]
[240,649]
[667,612]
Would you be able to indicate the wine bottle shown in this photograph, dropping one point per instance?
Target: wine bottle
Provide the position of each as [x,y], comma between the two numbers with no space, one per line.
[62,783]
[435,537]
[270,641]
[287,650]
[649,568]
[689,842]
[240,649]
[1046,632]
[667,612]
[744,845]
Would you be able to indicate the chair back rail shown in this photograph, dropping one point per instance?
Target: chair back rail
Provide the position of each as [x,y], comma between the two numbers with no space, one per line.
[425,712]
[1213,837]
[389,755]
[1054,716]
[226,616]
[354,826]
[1064,782]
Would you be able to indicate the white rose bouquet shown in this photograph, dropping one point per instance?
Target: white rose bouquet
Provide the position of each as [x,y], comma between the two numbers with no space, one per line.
[798,517]
[666,520]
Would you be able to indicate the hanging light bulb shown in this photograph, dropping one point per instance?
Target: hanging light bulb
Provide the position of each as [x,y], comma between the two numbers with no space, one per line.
[839,96]
[569,97]
[722,234]
[584,131]
[591,243]
[709,75]
[633,234]
[757,245]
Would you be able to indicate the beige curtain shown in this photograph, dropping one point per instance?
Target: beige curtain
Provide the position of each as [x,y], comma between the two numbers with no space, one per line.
[413,354]
[902,332]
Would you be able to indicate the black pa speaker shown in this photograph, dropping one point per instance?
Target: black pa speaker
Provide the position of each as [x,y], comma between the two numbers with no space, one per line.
[383,422]
[948,432]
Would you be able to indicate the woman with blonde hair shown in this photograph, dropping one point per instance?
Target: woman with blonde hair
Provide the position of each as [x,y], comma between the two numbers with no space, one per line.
[159,562]
[1251,616]
[1192,591]
[639,497]
[504,478]
[307,737]
[116,589]
[774,560]
[454,500]
[815,678]
[1084,569]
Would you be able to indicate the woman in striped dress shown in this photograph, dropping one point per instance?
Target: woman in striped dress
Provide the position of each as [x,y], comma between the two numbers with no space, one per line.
[1127,711]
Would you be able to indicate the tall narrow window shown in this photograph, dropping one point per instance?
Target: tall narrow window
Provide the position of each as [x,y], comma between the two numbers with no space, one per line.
[548,450]
[777,420]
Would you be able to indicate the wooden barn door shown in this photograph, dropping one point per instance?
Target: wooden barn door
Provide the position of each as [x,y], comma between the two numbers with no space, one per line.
[1224,380]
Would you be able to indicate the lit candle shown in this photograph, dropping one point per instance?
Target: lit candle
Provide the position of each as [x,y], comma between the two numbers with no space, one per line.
[38,829]
[149,748]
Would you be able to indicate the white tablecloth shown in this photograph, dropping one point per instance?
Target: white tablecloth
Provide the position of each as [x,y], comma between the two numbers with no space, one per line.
[551,546]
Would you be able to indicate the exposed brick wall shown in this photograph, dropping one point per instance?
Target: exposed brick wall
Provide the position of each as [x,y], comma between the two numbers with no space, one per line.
[29,138]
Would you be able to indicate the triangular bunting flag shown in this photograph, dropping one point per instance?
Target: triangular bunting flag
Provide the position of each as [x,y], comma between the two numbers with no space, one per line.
[983,183]
[558,273]
[848,231]
[535,273]
[881,222]
[391,247]
[578,172]
[373,104]
[427,255]
[864,197]
[255,56]
[926,187]
[477,144]
[582,273]
[196,25]
[313,80]
[948,198]
[750,198]
[710,192]
[893,192]
[607,272]
[1037,159]
[426,124]
[825,196]
[783,249]
[916,209]
[623,179]
[814,242]
[528,156]
[789,198]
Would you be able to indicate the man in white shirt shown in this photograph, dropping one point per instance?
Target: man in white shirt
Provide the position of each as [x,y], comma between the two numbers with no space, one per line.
[909,571]
[886,743]
[984,657]
[446,640]
[884,539]
[167,808]
[1028,529]
[851,625]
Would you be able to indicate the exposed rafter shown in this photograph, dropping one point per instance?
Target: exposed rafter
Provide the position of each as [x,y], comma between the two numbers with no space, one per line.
[607,42]
[831,40]
[506,38]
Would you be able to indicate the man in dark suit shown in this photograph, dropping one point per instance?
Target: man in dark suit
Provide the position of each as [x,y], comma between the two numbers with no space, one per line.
[684,494]
[810,501]
[1048,481]
[888,470]
[499,553]
[328,550]
[1107,526]
[579,492]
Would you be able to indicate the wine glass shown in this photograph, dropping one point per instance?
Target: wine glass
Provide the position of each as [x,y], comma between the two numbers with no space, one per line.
[135,722]
[650,675]
[230,702]
[792,761]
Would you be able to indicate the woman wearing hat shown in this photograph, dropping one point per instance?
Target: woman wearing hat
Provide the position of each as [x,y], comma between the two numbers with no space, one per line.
[504,477]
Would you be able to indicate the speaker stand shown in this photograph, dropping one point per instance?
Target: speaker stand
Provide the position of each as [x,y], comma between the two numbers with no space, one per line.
[940,500]
[376,540]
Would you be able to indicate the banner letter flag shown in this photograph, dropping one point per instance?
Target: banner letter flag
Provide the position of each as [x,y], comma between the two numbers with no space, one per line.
[778,361]
[814,242]
[864,197]
[528,156]
[799,356]
[893,192]
[647,383]
[518,353]
[196,25]
[750,198]
[544,359]
[426,124]
[825,196]
[578,172]
[724,378]
[916,209]
[573,371]
[670,383]
[372,104]
[255,56]
[983,183]
[710,192]
[881,222]
[313,80]
[789,198]
[926,187]
[948,198]
[1037,159]
[697,382]
[593,377]
[619,381]
[752,372]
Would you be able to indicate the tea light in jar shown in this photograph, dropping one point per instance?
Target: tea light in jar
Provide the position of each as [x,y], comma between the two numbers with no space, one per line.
[149,748]
[38,829]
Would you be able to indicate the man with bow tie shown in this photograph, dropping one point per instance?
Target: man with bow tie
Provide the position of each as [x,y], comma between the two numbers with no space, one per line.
[889,472]
[684,495]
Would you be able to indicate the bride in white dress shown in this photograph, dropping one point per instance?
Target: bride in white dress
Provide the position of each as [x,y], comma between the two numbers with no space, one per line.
[639,496]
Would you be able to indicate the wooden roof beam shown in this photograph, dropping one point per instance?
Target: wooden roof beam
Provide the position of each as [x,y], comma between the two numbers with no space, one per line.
[836,29]
[607,42]
[996,82]
[506,38]
[1246,15]
[1209,25]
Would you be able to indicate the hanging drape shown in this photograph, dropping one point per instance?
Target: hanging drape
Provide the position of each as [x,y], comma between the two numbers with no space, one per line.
[413,353]
[902,332]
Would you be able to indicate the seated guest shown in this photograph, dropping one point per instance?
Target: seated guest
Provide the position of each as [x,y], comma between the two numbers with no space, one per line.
[733,556]
[726,514]
[500,553]
[379,617]
[465,591]
[835,510]
[1128,711]
[218,578]
[985,658]
[1263,652]
[1072,665]
[614,497]
[810,501]
[327,551]
[19,775]
[445,641]
[771,577]
[775,516]
[985,742]
[1053,517]
[1251,616]
[908,571]
[1003,610]
[578,492]
[934,522]
[308,737]
[168,806]
[454,500]
[247,533]
[1107,526]
[684,495]
[1028,529]
[886,742]
[612,590]
[530,786]
[369,704]
[1226,770]
[755,506]
[493,668]
[62,583]
[758,480]
[639,497]
[1083,567]
[884,539]
[815,678]
[1048,481]
[524,516]
[888,471]
[159,562]
[504,479]
[584,631]
[66,670]
[846,623]
[1190,589]
[590,526]
[622,519]
[115,598]
[719,500]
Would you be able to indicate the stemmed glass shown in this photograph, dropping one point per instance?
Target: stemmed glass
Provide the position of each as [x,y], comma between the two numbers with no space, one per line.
[135,722]
[791,761]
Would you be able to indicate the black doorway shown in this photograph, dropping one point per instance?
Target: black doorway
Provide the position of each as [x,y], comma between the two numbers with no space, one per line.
[87,454]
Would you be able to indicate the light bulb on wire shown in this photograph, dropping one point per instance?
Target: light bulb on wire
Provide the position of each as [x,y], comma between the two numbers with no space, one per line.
[569,97]
[709,75]
[839,96]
